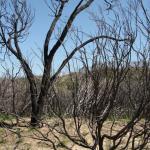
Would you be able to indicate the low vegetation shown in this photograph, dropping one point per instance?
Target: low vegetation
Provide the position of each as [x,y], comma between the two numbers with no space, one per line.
[29,138]
[103,100]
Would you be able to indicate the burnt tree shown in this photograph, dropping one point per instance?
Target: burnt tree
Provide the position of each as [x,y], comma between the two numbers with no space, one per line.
[15,20]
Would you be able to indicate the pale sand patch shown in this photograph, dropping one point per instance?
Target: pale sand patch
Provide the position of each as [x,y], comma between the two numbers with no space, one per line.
[8,139]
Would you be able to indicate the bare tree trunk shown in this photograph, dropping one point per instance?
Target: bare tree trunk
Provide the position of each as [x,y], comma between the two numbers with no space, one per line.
[38,102]
[100,139]
[34,118]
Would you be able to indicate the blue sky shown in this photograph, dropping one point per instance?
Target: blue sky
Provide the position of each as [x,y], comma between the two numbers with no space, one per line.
[42,21]
[38,30]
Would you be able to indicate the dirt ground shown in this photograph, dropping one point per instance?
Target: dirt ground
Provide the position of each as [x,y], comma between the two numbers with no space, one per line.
[27,138]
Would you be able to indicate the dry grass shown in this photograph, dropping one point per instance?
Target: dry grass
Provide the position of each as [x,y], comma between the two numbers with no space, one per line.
[27,141]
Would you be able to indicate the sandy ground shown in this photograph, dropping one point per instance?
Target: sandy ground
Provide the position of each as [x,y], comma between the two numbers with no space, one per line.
[26,139]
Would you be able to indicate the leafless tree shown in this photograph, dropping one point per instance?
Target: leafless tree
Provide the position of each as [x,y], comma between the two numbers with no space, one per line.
[106,88]
[109,87]
[16,19]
